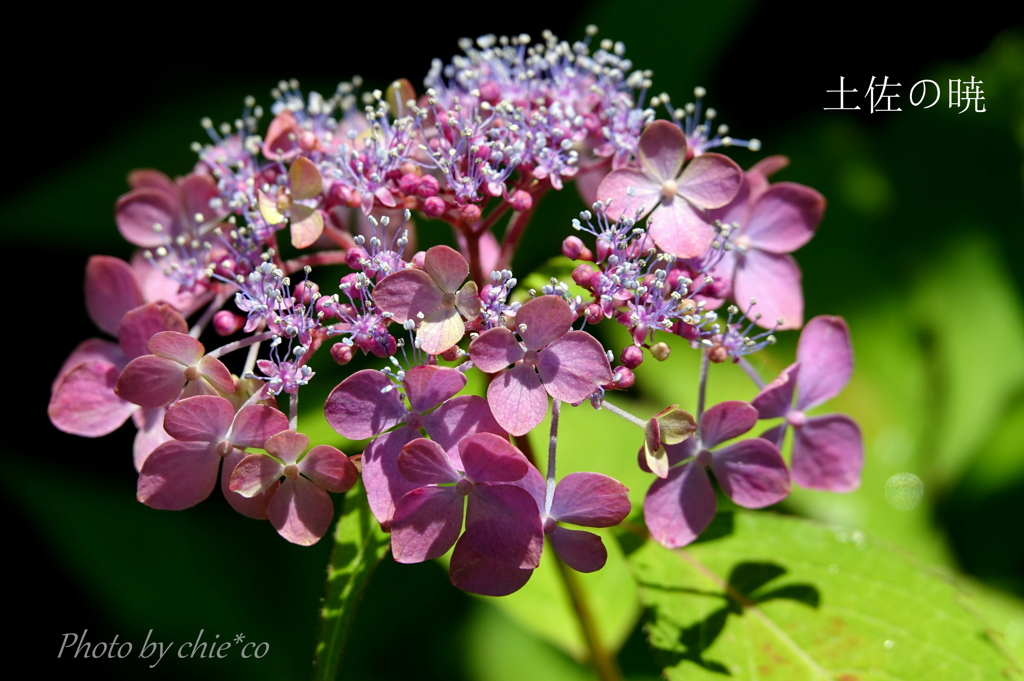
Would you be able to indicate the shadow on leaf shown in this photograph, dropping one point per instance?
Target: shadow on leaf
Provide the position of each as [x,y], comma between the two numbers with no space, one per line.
[744,590]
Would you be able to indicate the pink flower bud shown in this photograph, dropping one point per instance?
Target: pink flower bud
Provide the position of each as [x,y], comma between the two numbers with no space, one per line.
[622,378]
[226,268]
[341,353]
[684,330]
[428,186]
[408,184]
[594,313]
[354,256]
[307,140]
[303,291]
[451,354]
[226,322]
[582,275]
[572,247]
[418,259]
[490,92]
[325,304]
[469,213]
[434,207]
[631,356]
[521,201]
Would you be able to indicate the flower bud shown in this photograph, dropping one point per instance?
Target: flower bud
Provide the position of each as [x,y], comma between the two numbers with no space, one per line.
[303,291]
[354,257]
[582,275]
[428,186]
[469,213]
[631,356]
[226,322]
[718,354]
[594,313]
[687,331]
[434,207]
[451,354]
[409,183]
[418,259]
[660,351]
[572,247]
[341,353]
[521,201]
[307,140]
[622,378]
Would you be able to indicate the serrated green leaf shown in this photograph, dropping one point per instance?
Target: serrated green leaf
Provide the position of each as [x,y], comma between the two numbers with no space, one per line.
[359,546]
[777,597]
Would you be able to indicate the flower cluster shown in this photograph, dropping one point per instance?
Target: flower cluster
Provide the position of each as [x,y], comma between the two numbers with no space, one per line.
[678,233]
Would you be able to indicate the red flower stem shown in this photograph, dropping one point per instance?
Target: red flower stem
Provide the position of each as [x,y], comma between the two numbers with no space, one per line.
[488,222]
[517,227]
[476,268]
[314,259]
[752,372]
[239,344]
[604,662]
[703,382]
[218,302]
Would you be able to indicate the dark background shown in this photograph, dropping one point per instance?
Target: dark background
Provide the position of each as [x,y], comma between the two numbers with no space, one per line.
[92,97]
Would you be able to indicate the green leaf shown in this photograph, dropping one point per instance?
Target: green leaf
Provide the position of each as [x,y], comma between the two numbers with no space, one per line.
[498,650]
[974,384]
[359,546]
[774,597]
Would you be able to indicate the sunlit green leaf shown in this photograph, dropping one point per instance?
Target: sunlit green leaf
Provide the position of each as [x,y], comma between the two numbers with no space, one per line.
[359,545]
[775,597]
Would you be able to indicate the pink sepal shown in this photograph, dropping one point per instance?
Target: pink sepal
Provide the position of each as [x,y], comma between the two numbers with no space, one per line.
[301,512]
[178,475]
[329,468]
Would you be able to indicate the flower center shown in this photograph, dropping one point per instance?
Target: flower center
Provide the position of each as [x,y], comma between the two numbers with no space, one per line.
[223,448]
[191,373]
[448,299]
[463,487]
[796,419]
[703,458]
[414,421]
[669,189]
[742,243]
[291,471]
[530,357]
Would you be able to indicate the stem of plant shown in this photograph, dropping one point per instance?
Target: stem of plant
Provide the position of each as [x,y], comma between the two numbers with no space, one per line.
[552,446]
[314,260]
[752,372]
[605,665]
[293,410]
[635,420]
[218,302]
[703,382]
[239,344]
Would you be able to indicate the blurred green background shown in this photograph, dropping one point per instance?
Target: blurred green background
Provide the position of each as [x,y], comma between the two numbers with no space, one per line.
[920,250]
